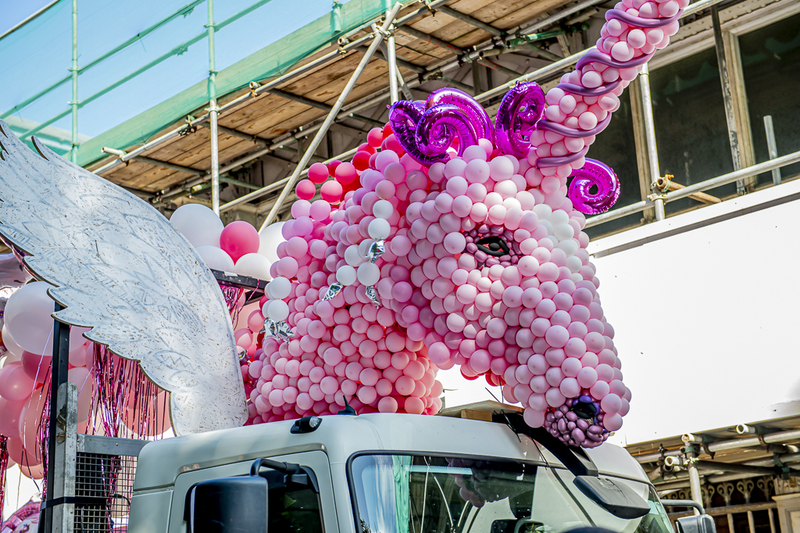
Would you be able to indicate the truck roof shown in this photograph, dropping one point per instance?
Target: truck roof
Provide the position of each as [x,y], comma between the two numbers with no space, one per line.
[342,436]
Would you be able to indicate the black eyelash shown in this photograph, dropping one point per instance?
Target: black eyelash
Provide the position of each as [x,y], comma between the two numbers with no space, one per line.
[493,246]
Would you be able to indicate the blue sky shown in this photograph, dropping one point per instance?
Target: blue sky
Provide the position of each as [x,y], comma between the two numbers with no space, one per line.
[15,11]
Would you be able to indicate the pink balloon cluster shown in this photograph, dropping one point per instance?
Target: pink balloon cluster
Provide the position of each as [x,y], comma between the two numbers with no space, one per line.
[479,261]
[27,336]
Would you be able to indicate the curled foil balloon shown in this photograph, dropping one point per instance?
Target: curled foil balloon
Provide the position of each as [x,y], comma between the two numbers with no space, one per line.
[476,114]
[426,131]
[519,112]
[594,188]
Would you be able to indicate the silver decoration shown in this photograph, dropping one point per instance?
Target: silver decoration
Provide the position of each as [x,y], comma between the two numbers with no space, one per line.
[332,291]
[372,294]
[277,329]
[242,355]
[119,267]
[376,249]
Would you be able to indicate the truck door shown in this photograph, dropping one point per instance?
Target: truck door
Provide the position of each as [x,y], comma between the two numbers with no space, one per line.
[290,511]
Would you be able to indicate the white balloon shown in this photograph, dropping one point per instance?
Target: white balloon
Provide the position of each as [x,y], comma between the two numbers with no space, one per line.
[379,229]
[199,224]
[353,256]
[10,344]
[216,258]
[363,247]
[271,237]
[277,310]
[346,275]
[279,288]
[28,320]
[383,209]
[369,274]
[253,265]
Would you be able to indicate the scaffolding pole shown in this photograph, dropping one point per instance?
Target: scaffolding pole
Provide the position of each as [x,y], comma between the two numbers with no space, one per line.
[301,165]
[391,58]
[73,152]
[650,136]
[213,111]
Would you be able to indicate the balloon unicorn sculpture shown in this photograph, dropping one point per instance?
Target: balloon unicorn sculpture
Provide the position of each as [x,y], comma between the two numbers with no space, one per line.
[461,244]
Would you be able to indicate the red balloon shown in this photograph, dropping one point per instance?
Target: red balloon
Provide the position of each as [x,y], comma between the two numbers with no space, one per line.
[239,238]
[361,160]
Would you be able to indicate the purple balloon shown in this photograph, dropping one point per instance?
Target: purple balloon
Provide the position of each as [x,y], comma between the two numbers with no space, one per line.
[469,106]
[426,132]
[404,117]
[439,126]
[519,112]
[598,175]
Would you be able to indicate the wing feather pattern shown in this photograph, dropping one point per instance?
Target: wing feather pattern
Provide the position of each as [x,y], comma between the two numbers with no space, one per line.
[120,268]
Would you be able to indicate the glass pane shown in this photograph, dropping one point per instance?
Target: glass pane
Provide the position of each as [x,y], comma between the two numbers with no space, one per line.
[424,494]
[771,64]
[616,148]
[691,131]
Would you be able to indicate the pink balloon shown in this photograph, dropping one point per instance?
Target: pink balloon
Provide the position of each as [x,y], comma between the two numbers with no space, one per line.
[239,238]
[414,405]
[387,405]
[331,191]
[9,417]
[570,388]
[305,190]
[36,367]
[255,322]
[15,384]
[30,418]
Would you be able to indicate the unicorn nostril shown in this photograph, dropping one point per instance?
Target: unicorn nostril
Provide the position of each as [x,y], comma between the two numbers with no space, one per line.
[493,245]
[586,408]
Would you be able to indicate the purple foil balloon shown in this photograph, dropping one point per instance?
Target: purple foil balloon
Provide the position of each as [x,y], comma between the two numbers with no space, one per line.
[476,114]
[522,107]
[404,117]
[600,176]
[426,134]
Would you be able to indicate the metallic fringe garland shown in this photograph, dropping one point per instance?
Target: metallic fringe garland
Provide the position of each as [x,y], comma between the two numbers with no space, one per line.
[3,468]
[233,297]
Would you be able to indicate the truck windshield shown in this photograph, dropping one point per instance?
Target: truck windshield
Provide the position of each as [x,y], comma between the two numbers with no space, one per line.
[425,494]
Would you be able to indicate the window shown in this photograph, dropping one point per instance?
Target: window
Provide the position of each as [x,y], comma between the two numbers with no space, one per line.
[771,65]
[425,494]
[691,130]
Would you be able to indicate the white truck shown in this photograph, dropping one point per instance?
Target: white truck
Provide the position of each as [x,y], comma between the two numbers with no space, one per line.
[392,473]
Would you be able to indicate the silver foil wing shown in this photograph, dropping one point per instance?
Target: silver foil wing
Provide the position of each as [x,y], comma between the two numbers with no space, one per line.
[120,268]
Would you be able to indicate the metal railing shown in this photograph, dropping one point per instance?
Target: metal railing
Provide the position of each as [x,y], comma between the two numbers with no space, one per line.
[671,196]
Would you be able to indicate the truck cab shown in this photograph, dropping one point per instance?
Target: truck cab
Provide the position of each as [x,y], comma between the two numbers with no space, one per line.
[394,473]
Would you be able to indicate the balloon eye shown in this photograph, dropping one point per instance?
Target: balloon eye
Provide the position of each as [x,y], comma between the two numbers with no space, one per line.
[494,246]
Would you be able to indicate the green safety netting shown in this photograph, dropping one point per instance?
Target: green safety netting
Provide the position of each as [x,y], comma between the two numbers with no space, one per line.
[144,64]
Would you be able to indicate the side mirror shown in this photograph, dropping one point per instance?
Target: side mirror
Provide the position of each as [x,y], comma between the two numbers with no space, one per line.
[702,523]
[697,524]
[228,505]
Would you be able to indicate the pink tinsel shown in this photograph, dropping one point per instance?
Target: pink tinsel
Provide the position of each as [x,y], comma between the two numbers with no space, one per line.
[3,468]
